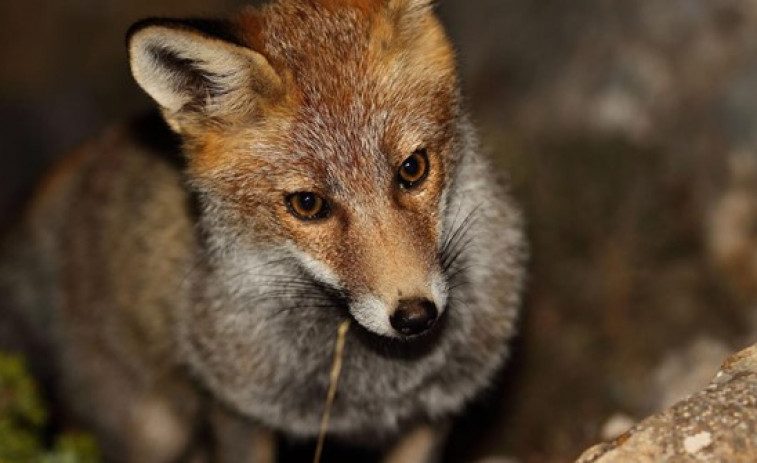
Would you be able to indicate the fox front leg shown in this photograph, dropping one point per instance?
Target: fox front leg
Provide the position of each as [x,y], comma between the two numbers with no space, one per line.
[424,444]
[238,440]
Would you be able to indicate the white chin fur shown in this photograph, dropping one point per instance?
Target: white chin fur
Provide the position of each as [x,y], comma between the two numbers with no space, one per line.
[373,315]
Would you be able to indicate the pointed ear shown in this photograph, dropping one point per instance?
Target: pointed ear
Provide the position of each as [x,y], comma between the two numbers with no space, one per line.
[186,70]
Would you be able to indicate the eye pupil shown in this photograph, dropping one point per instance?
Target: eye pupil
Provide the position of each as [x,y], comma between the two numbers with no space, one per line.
[307,201]
[411,167]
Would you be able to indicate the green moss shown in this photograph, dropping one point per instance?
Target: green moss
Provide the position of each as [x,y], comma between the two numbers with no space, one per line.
[73,448]
[24,420]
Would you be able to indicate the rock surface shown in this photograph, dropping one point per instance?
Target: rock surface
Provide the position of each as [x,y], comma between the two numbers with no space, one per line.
[714,425]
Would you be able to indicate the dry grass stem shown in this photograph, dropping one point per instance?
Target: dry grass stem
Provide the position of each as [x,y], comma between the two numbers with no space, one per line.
[336,370]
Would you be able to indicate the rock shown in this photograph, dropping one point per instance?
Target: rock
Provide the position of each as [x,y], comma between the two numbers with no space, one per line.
[716,424]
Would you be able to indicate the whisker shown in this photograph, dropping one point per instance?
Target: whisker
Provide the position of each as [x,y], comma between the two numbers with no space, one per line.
[458,272]
[453,243]
[255,269]
[445,237]
[288,295]
[456,226]
[458,300]
[463,227]
[458,285]
[290,308]
[198,261]
[457,253]
[289,284]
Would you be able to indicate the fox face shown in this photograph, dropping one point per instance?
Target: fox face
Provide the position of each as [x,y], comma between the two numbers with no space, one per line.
[324,128]
[338,176]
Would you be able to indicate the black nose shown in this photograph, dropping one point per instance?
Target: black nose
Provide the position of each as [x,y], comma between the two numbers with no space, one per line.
[414,316]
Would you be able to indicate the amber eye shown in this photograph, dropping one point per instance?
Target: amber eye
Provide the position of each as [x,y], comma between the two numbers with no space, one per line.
[307,206]
[414,170]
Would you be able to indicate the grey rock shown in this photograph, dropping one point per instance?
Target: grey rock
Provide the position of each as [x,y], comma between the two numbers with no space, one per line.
[716,424]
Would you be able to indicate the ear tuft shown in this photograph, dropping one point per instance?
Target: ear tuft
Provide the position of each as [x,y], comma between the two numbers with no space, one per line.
[407,14]
[410,6]
[185,68]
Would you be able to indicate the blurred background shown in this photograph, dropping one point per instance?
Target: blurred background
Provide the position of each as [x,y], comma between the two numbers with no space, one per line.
[628,132]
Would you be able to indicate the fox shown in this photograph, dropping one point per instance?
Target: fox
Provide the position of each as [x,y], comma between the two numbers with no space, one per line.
[178,280]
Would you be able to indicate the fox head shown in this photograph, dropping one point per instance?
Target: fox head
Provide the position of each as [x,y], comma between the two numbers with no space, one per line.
[324,129]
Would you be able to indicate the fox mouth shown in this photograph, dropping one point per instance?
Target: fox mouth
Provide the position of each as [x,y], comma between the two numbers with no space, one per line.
[394,345]
[405,347]
[415,319]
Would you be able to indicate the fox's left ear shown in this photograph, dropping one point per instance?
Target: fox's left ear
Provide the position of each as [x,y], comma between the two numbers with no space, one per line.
[188,70]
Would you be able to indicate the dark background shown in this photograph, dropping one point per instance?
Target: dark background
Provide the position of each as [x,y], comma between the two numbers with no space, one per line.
[627,130]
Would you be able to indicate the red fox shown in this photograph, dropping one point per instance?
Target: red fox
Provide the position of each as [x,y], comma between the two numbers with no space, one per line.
[319,167]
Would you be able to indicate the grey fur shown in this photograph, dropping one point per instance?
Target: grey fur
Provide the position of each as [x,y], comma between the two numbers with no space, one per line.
[270,362]
[378,394]
[140,305]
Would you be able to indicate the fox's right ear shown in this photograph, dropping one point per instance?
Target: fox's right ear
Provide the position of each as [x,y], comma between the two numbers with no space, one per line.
[189,71]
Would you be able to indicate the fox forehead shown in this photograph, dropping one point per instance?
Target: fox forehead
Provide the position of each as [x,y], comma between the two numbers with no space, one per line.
[319,44]
[361,95]
[353,71]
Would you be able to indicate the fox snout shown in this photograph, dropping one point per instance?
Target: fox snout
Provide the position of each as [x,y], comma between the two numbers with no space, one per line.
[404,318]
[414,316]
[403,310]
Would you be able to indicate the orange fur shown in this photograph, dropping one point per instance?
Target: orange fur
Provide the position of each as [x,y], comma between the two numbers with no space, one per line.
[172,275]
[321,78]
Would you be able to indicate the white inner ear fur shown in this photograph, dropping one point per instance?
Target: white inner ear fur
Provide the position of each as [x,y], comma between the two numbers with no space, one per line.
[226,66]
